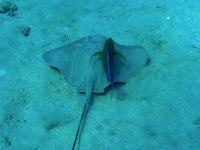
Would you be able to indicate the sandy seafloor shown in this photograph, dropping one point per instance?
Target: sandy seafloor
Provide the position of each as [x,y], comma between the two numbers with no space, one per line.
[157,109]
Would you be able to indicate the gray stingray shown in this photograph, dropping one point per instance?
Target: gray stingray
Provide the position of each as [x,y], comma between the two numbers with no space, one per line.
[88,75]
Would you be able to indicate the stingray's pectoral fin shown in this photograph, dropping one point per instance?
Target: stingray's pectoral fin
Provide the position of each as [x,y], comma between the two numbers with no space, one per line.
[96,54]
[120,55]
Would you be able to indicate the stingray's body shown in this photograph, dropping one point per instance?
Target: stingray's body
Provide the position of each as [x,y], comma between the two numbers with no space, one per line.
[73,60]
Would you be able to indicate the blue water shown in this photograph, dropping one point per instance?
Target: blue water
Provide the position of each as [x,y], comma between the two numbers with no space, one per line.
[157,109]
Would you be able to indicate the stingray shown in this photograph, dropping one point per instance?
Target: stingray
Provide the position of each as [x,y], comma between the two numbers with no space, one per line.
[82,67]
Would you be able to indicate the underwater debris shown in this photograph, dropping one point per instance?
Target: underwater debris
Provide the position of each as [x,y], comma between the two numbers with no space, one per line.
[25,30]
[197,121]
[8,7]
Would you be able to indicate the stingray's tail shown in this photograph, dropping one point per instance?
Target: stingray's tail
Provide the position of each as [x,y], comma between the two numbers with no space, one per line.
[89,88]
[85,106]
